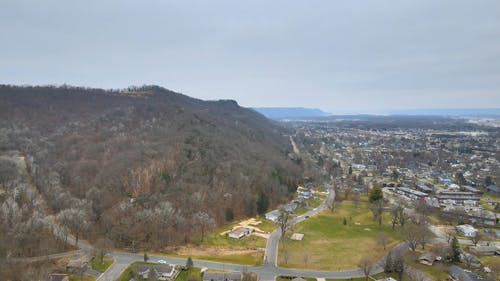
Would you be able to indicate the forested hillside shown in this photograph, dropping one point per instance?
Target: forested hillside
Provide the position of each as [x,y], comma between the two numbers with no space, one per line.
[143,167]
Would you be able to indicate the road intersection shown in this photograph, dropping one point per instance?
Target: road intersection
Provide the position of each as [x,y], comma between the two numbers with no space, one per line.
[268,271]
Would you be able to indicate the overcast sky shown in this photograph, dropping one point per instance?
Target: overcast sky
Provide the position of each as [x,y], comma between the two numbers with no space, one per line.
[340,56]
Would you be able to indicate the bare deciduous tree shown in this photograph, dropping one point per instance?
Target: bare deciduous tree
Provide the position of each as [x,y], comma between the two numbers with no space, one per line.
[283,224]
[76,219]
[382,239]
[468,260]
[495,270]
[102,247]
[410,235]
[377,209]
[423,234]
[475,239]
[305,258]
[204,221]
[366,265]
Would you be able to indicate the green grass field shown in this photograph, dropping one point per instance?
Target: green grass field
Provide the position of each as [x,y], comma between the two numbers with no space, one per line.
[330,245]
[376,276]
[192,274]
[97,265]
[222,248]
[75,277]
[253,258]
[250,241]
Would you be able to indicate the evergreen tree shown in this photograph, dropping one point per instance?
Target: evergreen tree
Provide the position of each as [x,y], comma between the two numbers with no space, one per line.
[262,203]
[388,266]
[488,181]
[189,263]
[455,250]
[376,194]
[229,214]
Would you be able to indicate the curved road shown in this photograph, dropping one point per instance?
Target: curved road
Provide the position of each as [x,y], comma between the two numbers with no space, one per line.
[271,255]
[268,271]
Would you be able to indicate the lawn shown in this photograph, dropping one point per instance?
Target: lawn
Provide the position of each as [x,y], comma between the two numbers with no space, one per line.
[285,278]
[250,241]
[217,247]
[488,260]
[194,273]
[300,211]
[76,277]
[246,258]
[97,265]
[314,201]
[376,276]
[330,245]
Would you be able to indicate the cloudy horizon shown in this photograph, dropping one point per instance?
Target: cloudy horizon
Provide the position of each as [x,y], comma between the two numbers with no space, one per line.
[339,56]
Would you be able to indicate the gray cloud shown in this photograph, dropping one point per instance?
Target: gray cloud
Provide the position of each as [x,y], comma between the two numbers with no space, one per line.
[336,55]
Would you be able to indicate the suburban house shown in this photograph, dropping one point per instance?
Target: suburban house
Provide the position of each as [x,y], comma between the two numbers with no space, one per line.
[80,264]
[428,258]
[459,274]
[222,276]
[493,188]
[240,232]
[305,194]
[290,207]
[466,230]
[484,250]
[58,277]
[273,215]
[162,272]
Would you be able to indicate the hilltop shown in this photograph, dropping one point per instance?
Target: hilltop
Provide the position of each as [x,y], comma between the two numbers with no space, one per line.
[144,166]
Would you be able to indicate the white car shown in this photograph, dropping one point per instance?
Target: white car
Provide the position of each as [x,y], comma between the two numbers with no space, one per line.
[162,261]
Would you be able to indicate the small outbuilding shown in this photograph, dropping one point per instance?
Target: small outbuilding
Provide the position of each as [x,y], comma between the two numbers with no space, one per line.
[428,258]
[273,215]
[297,236]
[58,277]
[240,232]
[466,230]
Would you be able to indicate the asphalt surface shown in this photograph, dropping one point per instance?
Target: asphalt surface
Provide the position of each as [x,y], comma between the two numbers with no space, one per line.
[271,255]
[267,271]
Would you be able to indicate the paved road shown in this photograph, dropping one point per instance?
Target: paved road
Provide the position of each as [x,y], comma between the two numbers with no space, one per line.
[271,255]
[267,272]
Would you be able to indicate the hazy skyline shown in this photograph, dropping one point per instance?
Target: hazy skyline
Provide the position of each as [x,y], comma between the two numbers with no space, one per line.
[340,56]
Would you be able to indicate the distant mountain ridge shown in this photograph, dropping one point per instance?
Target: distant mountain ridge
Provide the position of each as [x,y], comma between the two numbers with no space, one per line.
[303,112]
[448,111]
[290,112]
